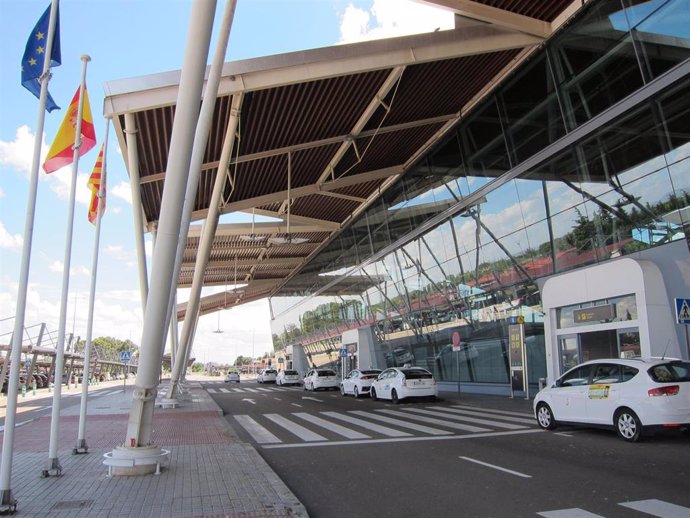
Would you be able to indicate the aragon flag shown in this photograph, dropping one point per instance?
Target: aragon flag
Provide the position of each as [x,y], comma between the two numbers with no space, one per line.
[61,152]
[94,184]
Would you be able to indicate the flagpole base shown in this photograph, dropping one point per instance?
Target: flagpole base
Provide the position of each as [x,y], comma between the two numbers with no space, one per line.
[8,504]
[81,447]
[53,465]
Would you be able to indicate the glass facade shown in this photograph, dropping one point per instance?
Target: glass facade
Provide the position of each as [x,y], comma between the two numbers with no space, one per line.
[457,245]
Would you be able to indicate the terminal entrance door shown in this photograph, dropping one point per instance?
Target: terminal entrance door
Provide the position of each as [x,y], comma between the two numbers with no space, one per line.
[609,343]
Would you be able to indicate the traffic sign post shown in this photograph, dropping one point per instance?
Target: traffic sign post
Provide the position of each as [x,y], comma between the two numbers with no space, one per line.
[457,346]
[683,317]
[125,357]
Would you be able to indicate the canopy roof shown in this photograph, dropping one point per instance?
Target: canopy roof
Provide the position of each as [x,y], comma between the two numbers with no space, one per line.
[347,121]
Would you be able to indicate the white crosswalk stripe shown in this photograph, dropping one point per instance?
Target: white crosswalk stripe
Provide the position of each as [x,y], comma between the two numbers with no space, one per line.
[651,507]
[382,424]
[440,422]
[511,416]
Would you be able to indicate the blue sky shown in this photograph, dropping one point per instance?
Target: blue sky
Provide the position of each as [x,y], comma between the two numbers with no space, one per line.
[128,38]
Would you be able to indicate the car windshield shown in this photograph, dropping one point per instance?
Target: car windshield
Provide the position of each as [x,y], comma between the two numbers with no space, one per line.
[670,372]
[415,374]
[377,372]
[326,373]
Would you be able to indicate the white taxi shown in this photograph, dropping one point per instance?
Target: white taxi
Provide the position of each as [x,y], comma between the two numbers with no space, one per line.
[632,396]
[267,376]
[358,382]
[399,383]
[320,379]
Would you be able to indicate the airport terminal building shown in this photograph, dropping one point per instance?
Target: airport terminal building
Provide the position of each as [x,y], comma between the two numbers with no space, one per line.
[559,202]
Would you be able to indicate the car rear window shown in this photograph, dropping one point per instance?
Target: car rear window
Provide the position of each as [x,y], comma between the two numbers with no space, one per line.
[670,372]
[416,374]
[371,372]
[326,373]
[270,372]
[290,373]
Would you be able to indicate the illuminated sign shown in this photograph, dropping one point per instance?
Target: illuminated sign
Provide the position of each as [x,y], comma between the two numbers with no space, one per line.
[594,314]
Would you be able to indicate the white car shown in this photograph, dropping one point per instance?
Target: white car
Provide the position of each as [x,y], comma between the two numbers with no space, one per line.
[321,379]
[399,383]
[630,395]
[267,376]
[232,376]
[288,377]
[358,382]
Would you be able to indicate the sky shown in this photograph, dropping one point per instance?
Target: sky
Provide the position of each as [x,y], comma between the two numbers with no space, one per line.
[129,38]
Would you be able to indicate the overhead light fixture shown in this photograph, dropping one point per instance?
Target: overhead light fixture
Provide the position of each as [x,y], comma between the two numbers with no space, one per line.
[287,238]
[235,290]
[252,238]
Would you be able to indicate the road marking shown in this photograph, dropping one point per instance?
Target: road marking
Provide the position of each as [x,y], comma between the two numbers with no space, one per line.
[570,513]
[16,425]
[402,439]
[499,468]
[258,432]
[658,508]
[211,390]
[495,424]
[403,424]
[530,420]
[224,390]
[493,411]
[431,420]
[263,389]
[251,390]
[297,405]
[383,430]
[333,427]
[300,431]
[249,400]
[312,399]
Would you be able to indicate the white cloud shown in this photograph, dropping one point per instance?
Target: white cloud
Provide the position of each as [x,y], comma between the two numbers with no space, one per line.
[2,193]
[9,241]
[19,152]
[59,267]
[389,18]
[123,191]
[61,184]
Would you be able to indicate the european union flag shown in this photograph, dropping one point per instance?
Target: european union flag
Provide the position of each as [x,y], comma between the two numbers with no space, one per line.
[34,56]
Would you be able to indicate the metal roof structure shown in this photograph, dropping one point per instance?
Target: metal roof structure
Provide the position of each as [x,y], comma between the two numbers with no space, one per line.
[321,134]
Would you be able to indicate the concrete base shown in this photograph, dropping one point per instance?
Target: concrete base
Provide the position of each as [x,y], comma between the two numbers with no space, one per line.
[81,447]
[143,460]
[8,505]
[168,403]
[54,468]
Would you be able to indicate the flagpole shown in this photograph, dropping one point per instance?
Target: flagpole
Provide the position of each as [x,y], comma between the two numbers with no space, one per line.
[6,499]
[53,462]
[81,446]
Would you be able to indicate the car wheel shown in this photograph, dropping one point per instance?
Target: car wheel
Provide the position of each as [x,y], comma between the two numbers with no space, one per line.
[628,425]
[372,394]
[545,417]
[355,392]
[342,390]
[394,397]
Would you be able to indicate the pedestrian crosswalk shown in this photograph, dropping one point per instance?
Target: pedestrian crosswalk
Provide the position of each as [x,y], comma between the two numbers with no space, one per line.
[293,429]
[651,507]
[247,390]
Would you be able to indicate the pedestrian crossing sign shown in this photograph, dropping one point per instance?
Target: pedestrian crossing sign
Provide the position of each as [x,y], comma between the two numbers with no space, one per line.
[125,356]
[683,311]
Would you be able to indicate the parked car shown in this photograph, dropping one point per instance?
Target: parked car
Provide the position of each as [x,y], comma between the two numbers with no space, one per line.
[288,377]
[358,382]
[232,376]
[632,396]
[321,379]
[399,383]
[267,376]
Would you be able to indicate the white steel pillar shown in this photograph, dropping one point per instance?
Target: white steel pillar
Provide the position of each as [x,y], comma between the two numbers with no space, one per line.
[207,235]
[198,152]
[133,167]
[138,442]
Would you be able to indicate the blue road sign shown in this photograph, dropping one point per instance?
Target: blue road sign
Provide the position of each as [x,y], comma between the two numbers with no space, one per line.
[343,352]
[125,356]
[683,311]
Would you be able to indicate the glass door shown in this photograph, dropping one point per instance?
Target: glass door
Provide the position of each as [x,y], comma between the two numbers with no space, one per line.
[569,349]
[629,342]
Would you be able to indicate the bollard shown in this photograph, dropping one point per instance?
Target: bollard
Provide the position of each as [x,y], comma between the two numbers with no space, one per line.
[50,386]
[24,390]
[34,388]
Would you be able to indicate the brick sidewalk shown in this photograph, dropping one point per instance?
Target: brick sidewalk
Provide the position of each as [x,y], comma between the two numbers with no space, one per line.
[210,474]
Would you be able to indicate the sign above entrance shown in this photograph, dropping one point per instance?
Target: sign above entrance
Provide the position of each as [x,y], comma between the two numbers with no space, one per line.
[683,311]
[594,314]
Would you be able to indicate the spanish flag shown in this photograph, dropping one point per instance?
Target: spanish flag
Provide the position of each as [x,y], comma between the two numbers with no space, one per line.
[94,184]
[61,153]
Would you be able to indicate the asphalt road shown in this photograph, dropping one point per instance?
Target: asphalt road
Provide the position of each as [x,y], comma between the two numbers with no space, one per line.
[467,457]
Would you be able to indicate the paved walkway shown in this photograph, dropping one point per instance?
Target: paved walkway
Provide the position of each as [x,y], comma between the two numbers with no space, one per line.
[211,472]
